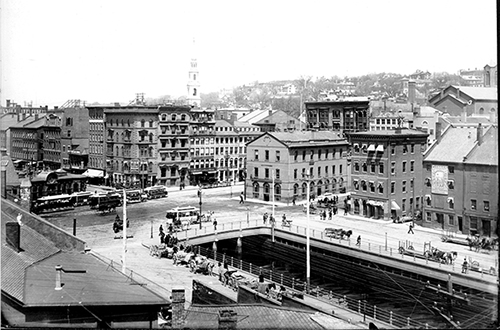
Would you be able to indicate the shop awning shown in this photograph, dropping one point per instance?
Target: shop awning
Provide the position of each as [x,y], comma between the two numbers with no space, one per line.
[395,206]
[380,148]
[94,173]
[371,148]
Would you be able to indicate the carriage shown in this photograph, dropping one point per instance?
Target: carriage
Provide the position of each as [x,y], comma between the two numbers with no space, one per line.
[338,233]
[161,251]
[200,265]
[118,224]
[286,223]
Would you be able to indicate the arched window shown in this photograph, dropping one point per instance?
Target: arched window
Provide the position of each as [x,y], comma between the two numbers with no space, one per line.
[256,190]
[295,189]
[163,116]
[481,111]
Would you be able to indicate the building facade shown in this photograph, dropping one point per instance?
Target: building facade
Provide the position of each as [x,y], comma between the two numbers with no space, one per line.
[97,147]
[490,76]
[75,127]
[131,145]
[461,181]
[344,116]
[203,141]
[386,167]
[277,163]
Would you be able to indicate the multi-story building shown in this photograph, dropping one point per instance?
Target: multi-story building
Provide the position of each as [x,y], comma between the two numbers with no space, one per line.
[285,159]
[279,121]
[97,158]
[472,78]
[202,165]
[342,115]
[75,139]
[173,145]
[461,180]
[458,100]
[386,171]
[131,145]
[37,141]
[390,120]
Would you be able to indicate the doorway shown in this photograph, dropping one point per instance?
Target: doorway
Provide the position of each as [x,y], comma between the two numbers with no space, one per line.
[460,225]
[486,225]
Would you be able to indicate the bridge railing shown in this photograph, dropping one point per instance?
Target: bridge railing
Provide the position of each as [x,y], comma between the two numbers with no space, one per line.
[385,250]
[299,287]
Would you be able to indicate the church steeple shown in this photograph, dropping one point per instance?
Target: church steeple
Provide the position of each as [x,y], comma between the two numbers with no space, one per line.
[193,86]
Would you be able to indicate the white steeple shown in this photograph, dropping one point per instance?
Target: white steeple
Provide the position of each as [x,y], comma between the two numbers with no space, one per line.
[193,86]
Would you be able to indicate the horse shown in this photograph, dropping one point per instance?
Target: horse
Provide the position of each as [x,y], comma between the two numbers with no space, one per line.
[345,234]
[450,257]
[474,242]
[436,254]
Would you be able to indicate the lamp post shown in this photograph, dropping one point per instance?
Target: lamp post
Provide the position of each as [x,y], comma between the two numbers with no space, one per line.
[272,191]
[248,215]
[199,195]
[307,178]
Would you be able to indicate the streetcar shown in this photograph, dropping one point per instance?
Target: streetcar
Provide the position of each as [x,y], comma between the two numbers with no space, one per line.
[105,202]
[156,192]
[135,196]
[54,203]
[81,198]
[182,217]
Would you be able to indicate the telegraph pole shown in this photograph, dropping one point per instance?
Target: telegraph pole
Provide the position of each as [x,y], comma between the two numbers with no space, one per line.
[124,267]
[307,178]
[199,195]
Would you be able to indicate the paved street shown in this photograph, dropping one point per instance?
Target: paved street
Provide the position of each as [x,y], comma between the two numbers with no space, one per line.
[145,218]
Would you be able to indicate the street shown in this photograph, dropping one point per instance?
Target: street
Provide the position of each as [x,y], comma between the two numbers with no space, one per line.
[145,219]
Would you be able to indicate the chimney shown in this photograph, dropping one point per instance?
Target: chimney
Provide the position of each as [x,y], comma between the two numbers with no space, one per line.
[178,313]
[479,136]
[58,277]
[458,93]
[411,91]
[442,94]
[228,319]
[438,131]
[36,116]
[8,103]
[56,107]
[270,112]
[13,235]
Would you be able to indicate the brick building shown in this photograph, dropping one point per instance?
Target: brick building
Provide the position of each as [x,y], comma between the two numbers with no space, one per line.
[283,158]
[461,180]
[386,167]
[341,115]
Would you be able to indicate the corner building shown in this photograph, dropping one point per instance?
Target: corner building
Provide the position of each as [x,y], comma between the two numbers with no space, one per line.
[386,171]
[283,159]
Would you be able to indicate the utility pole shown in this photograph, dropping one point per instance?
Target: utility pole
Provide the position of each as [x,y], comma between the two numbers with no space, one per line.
[124,266]
[272,191]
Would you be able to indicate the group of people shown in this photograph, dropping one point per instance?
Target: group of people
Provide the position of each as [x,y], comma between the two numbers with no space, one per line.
[269,217]
[331,212]
[167,239]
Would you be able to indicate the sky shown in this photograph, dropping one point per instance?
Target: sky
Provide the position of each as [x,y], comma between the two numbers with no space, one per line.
[107,51]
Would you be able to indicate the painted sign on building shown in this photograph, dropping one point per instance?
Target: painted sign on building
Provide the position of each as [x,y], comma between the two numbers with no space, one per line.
[439,179]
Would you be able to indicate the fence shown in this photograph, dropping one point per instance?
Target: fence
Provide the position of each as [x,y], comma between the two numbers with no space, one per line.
[316,292]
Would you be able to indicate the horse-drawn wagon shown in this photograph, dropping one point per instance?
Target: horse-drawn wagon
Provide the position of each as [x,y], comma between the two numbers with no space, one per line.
[337,233]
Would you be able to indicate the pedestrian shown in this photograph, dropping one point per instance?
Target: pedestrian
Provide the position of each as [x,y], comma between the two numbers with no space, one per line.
[161,229]
[162,237]
[221,273]
[465,266]
[358,241]
[293,201]
[330,214]
[324,215]
[411,228]
[264,217]
[215,224]
[170,228]
[284,217]
[242,199]
[345,209]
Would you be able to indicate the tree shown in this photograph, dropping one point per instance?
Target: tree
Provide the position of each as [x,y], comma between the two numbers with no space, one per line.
[210,100]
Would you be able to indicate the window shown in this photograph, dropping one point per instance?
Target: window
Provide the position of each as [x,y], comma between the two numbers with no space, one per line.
[256,172]
[451,220]
[363,185]
[412,166]
[278,155]
[428,200]
[296,155]
[372,168]
[295,171]
[381,168]
[393,150]
[266,155]
[403,205]
[405,149]
[486,206]
[142,123]
[333,170]
[451,184]
[451,203]
[266,173]
[393,187]
[404,167]
[303,155]
[372,186]
[319,171]
[340,169]
[256,155]
[473,204]
[428,216]
[412,148]
[380,188]
[319,154]
[326,170]
[365,167]
[393,167]
[355,183]
[403,186]
[312,155]
[277,173]
[451,169]
[356,167]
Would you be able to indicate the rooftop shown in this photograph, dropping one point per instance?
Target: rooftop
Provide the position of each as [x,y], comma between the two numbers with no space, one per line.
[487,152]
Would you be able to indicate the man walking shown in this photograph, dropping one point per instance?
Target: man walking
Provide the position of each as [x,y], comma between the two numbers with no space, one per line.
[242,199]
[358,241]
[215,224]
[411,228]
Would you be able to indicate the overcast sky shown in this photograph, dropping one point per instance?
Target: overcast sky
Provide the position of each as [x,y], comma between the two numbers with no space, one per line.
[106,51]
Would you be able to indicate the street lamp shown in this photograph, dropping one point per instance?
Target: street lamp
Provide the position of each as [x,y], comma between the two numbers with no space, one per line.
[199,195]
[307,178]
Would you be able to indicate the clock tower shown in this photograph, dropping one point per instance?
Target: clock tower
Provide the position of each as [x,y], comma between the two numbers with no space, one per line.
[193,86]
